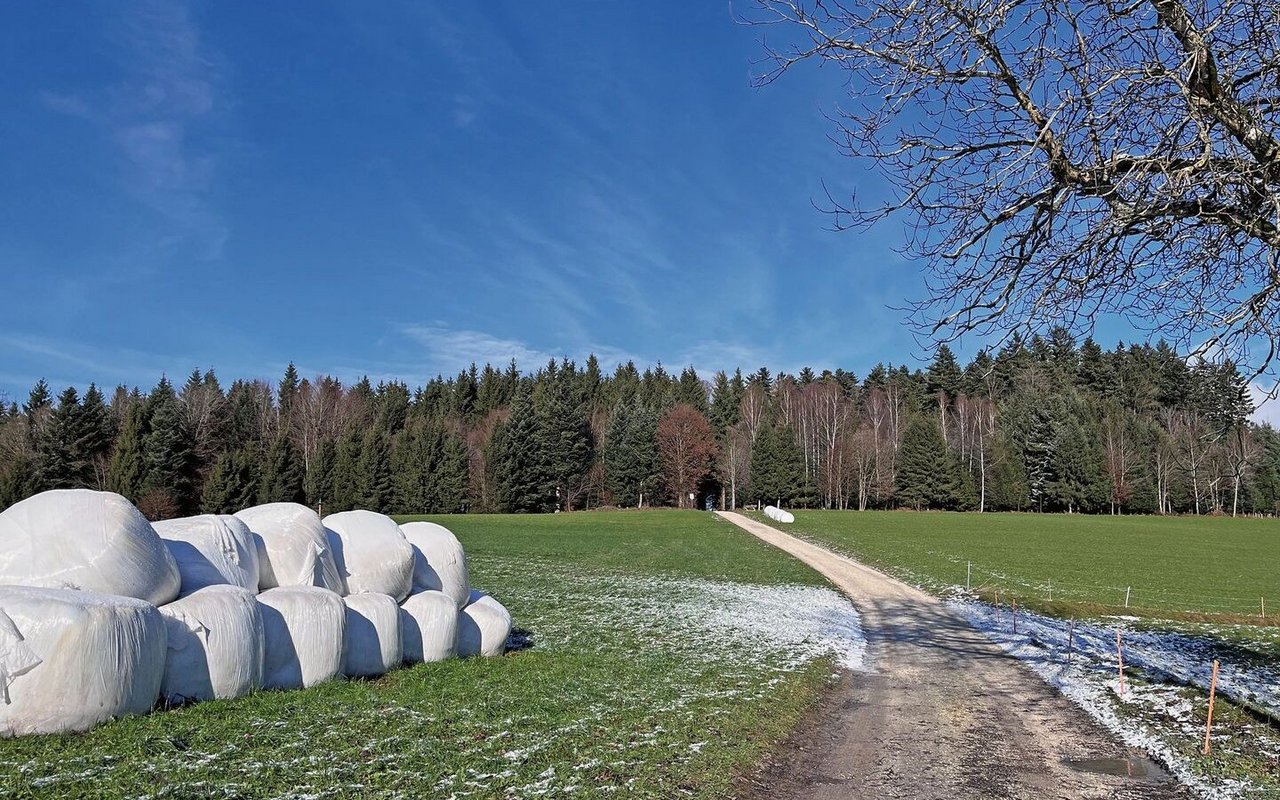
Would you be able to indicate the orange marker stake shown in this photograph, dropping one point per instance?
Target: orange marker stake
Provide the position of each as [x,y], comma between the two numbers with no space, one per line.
[1120,661]
[1208,723]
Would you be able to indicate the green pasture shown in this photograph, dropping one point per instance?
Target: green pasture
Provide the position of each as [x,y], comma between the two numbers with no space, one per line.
[1189,567]
[607,701]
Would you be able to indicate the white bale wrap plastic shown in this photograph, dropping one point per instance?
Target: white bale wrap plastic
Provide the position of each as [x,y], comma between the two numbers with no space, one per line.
[778,515]
[439,562]
[72,659]
[215,645]
[303,629]
[371,643]
[211,549]
[293,549]
[483,627]
[429,627]
[371,553]
[82,539]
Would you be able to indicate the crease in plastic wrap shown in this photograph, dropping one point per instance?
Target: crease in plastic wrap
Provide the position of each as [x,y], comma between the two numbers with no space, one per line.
[211,549]
[303,629]
[293,548]
[429,627]
[82,539]
[71,659]
[371,642]
[439,562]
[371,553]
[215,645]
[483,627]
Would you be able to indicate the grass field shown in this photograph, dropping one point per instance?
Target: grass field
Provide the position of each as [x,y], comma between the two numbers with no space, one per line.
[617,695]
[1181,567]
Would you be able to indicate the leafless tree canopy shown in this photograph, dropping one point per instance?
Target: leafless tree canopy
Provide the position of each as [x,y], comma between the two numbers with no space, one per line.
[1059,160]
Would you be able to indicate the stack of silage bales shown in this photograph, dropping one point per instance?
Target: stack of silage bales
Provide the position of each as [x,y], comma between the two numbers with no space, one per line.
[103,613]
[778,515]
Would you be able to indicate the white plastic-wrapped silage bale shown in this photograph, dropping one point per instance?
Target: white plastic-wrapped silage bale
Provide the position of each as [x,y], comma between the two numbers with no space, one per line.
[371,642]
[303,630]
[428,627]
[70,660]
[483,627]
[778,515]
[210,550]
[371,553]
[215,645]
[293,549]
[82,539]
[439,562]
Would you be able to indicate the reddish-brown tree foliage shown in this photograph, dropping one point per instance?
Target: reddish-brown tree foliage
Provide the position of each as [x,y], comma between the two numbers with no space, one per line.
[687,449]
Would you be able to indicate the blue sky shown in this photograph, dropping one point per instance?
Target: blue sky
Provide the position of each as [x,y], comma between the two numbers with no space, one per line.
[400,189]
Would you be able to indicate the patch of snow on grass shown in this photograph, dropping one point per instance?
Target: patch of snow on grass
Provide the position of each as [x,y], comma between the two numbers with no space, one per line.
[1086,673]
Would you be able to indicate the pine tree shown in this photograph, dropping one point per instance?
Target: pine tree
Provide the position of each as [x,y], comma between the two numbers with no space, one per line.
[451,478]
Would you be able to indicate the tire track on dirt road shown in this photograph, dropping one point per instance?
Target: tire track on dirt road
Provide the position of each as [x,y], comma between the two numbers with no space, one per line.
[942,712]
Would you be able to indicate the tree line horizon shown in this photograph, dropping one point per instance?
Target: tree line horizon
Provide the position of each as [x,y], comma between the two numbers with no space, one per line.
[1043,424]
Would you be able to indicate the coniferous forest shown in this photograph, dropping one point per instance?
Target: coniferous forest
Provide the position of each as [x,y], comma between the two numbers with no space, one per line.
[1045,425]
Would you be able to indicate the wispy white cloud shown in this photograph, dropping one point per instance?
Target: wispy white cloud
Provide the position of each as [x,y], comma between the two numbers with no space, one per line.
[79,364]
[1266,405]
[448,350]
[155,116]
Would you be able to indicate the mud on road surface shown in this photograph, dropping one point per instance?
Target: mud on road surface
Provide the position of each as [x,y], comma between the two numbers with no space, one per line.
[941,713]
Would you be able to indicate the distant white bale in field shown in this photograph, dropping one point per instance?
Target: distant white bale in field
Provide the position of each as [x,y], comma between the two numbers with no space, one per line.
[81,539]
[215,645]
[428,627]
[303,630]
[72,659]
[371,553]
[439,562]
[293,549]
[371,641]
[778,515]
[211,549]
[483,627]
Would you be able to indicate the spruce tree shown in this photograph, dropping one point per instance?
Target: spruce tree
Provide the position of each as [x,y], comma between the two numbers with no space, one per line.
[128,469]
[282,474]
[523,483]
[631,454]
[167,453]
[374,488]
[233,483]
[61,458]
[344,492]
[929,475]
[564,436]
[318,483]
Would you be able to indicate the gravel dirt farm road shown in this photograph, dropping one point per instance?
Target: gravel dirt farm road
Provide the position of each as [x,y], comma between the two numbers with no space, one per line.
[941,713]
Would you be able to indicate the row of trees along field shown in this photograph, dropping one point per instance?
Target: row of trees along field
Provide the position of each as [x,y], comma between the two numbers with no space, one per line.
[1041,425]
